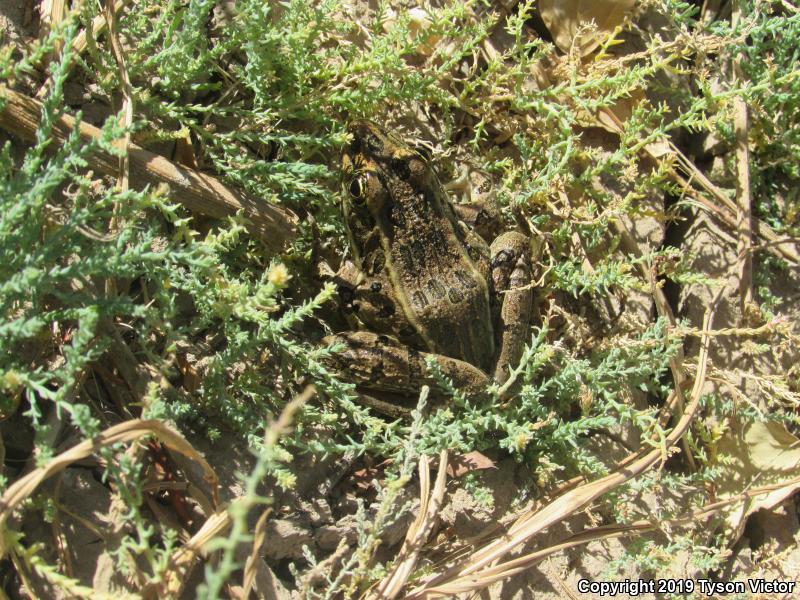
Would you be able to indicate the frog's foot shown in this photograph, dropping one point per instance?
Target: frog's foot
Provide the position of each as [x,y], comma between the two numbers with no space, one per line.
[481,216]
[511,278]
[478,206]
[379,363]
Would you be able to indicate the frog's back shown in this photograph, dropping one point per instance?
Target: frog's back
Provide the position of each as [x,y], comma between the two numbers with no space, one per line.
[421,249]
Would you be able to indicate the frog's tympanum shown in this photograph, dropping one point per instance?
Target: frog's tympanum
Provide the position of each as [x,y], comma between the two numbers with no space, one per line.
[422,281]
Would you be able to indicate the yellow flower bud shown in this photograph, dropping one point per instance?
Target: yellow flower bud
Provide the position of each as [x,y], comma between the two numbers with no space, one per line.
[278,275]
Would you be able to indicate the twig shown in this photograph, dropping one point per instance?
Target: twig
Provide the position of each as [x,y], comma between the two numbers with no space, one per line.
[199,192]
[744,266]
[663,309]
[251,566]
[184,557]
[726,209]
[419,531]
[123,176]
[127,93]
[778,325]
[80,43]
[520,564]
[98,26]
[51,13]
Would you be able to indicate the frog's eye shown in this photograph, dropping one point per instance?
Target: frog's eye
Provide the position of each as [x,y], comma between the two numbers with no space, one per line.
[357,189]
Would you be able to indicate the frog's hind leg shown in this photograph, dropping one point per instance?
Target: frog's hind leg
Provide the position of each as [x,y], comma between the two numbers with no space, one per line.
[511,280]
[378,363]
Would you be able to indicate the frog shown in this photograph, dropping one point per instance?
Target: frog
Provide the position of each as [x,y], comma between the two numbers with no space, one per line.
[428,279]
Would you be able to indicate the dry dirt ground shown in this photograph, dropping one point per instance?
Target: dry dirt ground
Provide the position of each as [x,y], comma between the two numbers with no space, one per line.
[320,512]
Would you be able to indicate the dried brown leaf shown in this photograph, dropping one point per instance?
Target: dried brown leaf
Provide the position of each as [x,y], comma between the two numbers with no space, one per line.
[566,20]
[756,454]
[466,463]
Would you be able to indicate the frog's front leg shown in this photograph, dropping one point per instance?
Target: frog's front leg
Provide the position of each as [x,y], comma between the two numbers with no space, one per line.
[378,363]
[367,301]
[511,279]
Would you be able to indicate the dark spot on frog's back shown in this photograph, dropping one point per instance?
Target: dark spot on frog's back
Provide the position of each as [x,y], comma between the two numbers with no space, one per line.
[454,295]
[386,311]
[377,372]
[436,288]
[419,299]
[373,143]
[377,262]
[465,280]
[401,167]
[396,215]
[407,257]
[501,258]
[345,293]
[474,253]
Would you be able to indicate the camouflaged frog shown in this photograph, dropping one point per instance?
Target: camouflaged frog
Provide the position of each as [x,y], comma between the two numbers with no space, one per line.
[422,281]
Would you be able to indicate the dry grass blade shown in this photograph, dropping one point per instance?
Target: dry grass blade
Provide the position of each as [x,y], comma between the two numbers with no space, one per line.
[467,575]
[80,43]
[182,559]
[197,191]
[726,209]
[128,431]
[677,401]
[98,26]
[51,13]
[418,533]
[520,564]
[251,566]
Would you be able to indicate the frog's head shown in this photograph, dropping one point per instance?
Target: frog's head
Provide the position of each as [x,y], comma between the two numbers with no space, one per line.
[379,173]
[365,162]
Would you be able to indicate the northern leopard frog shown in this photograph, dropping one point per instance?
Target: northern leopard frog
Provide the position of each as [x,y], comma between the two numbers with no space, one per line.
[422,281]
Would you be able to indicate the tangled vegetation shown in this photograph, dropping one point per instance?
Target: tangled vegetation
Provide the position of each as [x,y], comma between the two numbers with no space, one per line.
[120,304]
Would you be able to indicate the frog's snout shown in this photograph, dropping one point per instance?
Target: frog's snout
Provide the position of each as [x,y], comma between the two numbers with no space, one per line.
[368,140]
